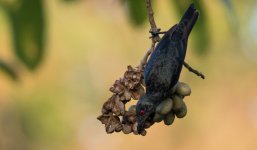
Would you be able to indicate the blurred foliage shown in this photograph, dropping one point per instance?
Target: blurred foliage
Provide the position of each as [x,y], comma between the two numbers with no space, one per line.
[200,31]
[136,10]
[70,0]
[232,17]
[28,26]
[38,119]
[27,21]
[138,15]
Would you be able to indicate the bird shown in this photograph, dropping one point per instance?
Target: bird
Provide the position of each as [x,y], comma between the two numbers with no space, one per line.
[164,66]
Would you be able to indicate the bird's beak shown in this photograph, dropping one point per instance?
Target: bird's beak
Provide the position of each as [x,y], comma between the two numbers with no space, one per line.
[141,123]
[189,19]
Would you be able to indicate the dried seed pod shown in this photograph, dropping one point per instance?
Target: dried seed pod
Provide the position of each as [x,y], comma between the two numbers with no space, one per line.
[121,107]
[118,87]
[143,133]
[134,127]
[116,110]
[104,111]
[157,117]
[108,105]
[134,76]
[104,119]
[112,124]
[139,76]
[128,75]
[118,128]
[115,98]
[169,118]
[122,97]
[128,113]
[129,117]
[110,128]
[135,94]
[115,119]
[129,83]
[132,118]
[125,117]
[177,102]
[127,95]
[126,128]
[132,109]
[183,89]
[181,113]
[130,68]
[135,132]
[165,106]
[140,90]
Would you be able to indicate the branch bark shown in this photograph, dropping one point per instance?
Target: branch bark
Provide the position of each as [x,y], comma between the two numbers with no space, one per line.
[9,70]
[193,70]
[155,37]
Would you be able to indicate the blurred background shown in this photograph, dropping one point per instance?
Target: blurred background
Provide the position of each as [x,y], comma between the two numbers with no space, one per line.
[58,59]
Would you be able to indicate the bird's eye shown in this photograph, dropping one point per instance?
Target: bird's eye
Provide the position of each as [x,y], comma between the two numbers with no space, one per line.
[142,112]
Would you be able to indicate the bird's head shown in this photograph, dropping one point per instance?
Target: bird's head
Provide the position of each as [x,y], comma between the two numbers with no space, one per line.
[145,110]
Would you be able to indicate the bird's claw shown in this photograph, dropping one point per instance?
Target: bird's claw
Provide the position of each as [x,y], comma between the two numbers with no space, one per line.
[156,33]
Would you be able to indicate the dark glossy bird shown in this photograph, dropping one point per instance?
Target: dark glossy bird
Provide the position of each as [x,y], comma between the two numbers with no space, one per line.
[163,68]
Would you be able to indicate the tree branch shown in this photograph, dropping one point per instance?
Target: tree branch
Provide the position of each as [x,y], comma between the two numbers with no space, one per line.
[153,30]
[193,70]
[9,70]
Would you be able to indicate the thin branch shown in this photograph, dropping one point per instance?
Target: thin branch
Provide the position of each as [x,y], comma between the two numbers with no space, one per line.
[9,70]
[193,70]
[153,30]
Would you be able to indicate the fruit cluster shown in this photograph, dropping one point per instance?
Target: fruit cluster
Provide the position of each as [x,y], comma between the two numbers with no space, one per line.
[116,118]
[114,115]
[174,105]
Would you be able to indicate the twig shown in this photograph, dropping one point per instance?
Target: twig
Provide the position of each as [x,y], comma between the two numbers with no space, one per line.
[193,70]
[9,70]
[153,30]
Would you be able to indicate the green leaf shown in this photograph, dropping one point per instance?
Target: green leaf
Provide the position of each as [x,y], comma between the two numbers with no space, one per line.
[200,31]
[28,27]
[137,11]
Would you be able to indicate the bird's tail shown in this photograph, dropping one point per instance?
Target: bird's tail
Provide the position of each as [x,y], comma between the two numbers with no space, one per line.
[189,19]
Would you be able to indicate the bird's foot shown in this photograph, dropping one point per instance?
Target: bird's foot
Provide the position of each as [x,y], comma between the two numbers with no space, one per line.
[156,33]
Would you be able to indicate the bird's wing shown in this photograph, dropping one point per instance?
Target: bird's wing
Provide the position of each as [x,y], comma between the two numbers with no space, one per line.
[163,68]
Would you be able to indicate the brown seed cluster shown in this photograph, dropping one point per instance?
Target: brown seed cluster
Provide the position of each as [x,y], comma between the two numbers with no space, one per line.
[114,116]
